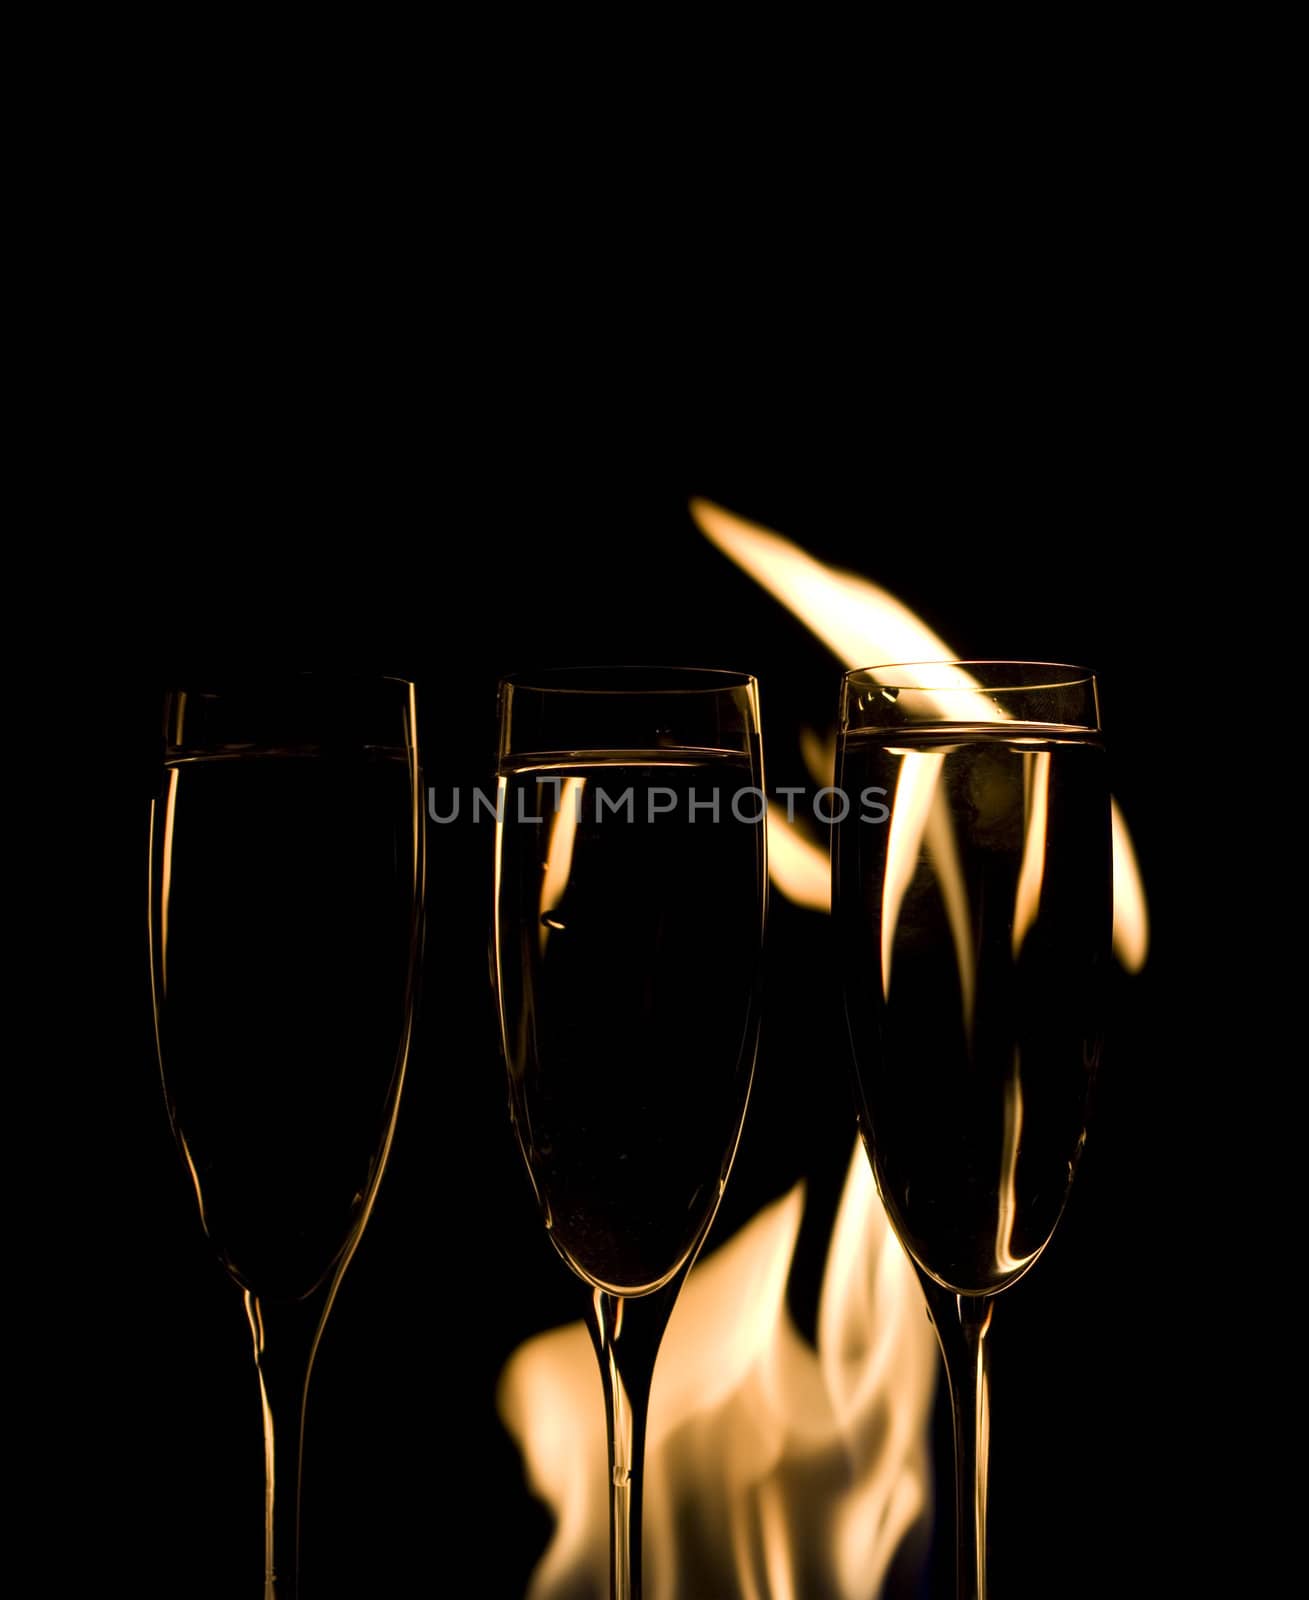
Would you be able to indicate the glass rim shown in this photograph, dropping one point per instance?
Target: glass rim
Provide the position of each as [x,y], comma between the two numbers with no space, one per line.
[249,711]
[1051,675]
[642,680]
[235,682]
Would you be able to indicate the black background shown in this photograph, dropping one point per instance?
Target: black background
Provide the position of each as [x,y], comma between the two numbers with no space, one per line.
[509,525]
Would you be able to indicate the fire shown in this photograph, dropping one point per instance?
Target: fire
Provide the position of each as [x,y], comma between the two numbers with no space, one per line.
[1036,811]
[858,621]
[799,867]
[862,623]
[774,1470]
[1131,918]
[559,854]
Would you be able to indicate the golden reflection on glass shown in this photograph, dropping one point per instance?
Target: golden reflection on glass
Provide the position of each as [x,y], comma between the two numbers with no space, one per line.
[911,807]
[1010,1143]
[1036,808]
[567,805]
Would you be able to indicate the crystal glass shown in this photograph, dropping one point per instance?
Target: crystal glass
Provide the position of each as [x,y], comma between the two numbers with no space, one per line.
[630,882]
[972,890]
[286,886]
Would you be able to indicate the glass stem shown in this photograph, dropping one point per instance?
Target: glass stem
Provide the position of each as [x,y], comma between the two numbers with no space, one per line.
[962,1324]
[626,1333]
[286,1338]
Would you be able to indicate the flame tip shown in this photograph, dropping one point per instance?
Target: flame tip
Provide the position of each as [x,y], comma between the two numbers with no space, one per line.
[861,622]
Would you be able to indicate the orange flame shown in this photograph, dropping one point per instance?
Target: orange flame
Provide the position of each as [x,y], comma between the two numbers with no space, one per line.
[862,623]
[773,1469]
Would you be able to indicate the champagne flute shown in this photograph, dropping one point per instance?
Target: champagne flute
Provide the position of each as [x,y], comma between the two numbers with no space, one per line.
[286,879]
[972,888]
[630,887]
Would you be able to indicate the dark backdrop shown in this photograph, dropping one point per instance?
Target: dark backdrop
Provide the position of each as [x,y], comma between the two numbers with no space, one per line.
[506,528]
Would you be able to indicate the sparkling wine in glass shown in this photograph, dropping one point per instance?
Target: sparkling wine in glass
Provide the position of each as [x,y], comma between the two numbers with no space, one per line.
[972,887]
[286,878]
[630,885]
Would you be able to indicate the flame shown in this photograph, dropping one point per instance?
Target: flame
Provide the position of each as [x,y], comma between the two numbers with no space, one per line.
[912,802]
[799,868]
[774,1469]
[1036,813]
[819,753]
[858,621]
[862,623]
[559,853]
[1131,915]
[1011,1139]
